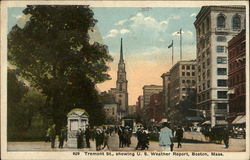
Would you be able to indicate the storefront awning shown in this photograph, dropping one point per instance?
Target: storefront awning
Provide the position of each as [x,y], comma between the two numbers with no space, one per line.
[239,119]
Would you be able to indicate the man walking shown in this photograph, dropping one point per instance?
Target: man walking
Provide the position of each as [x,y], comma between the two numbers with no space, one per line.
[166,137]
[53,135]
[179,136]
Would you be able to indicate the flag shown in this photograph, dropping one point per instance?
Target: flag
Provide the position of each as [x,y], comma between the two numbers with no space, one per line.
[171,45]
[179,32]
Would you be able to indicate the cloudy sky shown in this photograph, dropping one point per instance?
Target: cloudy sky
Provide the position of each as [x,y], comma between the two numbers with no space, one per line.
[146,34]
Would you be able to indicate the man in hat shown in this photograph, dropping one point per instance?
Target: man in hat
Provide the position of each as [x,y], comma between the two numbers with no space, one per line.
[166,137]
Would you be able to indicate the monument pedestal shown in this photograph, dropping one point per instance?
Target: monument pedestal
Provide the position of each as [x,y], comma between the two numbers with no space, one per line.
[77,119]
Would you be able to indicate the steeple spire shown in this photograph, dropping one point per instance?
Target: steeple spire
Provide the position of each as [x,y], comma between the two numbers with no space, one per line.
[121,53]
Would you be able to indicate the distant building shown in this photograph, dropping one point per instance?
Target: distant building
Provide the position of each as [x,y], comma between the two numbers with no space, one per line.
[131,110]
[183,79]
[110,106]
[149,90]
[166,92]
[156,110]
[215,26]
[237,75]
[121,90]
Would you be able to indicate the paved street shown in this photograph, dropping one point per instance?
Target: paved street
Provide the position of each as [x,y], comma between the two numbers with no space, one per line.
[193,142]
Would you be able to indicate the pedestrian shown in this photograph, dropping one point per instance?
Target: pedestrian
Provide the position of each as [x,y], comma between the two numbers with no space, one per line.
[179,136]
[139,138]
[120,134]
[144,139]
[166,137]
[87,136]
[62,137]
[105,140]
[47,136]
[79,138]
[226,137]
[53,135]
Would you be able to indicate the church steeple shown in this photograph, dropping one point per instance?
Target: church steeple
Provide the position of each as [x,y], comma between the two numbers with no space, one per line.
[121,53]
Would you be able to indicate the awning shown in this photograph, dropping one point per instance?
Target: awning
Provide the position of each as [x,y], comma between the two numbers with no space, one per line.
[239,119]
[207,122]
[231,91]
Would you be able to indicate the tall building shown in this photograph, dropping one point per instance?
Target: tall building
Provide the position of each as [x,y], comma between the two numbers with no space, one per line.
[215,26]
[166,90]
[156,110]
[183,80]
[121,90]
[237,75]
[149,90]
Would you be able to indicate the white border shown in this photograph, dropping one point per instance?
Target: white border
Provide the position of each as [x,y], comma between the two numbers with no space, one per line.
[68,154]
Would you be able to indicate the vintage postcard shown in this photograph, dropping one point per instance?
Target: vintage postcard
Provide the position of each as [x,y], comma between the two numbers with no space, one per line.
[125,80]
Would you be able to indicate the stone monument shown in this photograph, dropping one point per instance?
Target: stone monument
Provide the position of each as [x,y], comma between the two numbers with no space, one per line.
[77,119]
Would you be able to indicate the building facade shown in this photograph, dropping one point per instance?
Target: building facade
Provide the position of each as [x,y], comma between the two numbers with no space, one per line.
[182,80]
[237,75]
[149,90]
[215,26]
[156,110]
[121,90]
[166,90]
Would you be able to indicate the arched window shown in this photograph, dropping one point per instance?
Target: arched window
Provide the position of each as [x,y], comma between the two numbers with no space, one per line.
[236,22]
[221,21]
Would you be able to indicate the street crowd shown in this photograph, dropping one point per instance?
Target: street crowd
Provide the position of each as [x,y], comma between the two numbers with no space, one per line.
[101,136]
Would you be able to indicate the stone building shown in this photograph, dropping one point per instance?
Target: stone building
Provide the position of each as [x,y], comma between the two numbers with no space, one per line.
[121,90]
[183,79]
[237,75]
[215,26]
[166,90]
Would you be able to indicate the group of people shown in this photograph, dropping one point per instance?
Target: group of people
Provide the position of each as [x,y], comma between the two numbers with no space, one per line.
[83,137]
[142,138]
[51,136]
[125,134]
[102,138]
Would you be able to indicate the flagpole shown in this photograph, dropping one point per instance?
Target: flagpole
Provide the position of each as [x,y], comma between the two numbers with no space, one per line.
[172,52]
[180,45]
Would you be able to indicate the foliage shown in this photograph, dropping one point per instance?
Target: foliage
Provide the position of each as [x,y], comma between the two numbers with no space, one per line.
[186,108]
[53,53]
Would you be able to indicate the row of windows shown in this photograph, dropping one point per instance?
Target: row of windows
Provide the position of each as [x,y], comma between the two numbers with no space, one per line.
[204,86]
[221,49]
[221,71]
[222,94]
[204,96]
[204,75]
[188,81]
[188,74]
[236,21]
[221,60]
[188,67]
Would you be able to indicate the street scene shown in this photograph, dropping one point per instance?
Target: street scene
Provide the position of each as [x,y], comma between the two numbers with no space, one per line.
[84,78]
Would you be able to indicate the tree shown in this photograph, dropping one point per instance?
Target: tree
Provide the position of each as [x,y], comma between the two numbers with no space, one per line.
[16,90]
[53,53]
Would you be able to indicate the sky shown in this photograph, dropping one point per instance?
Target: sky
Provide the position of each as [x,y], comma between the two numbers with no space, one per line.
[146,33]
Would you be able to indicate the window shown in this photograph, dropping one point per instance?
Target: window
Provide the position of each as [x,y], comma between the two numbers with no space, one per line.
[207,23]
[222,94]
[221,21]
[203,65]
[208,95]
[208,62]
[208,84]
[183,73]
[208,73]
[193,82]
[183,67]
[221,39]
[183,89]
[220,49]
[188,67]
[188,73]
[193,73]
[221,105]
[193,66]
[221,71]
[221,82]
[199,68]
[220,118]
[183,81]
[221,60]
[120,87]
[236,22]
[204,86]
[188,81]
